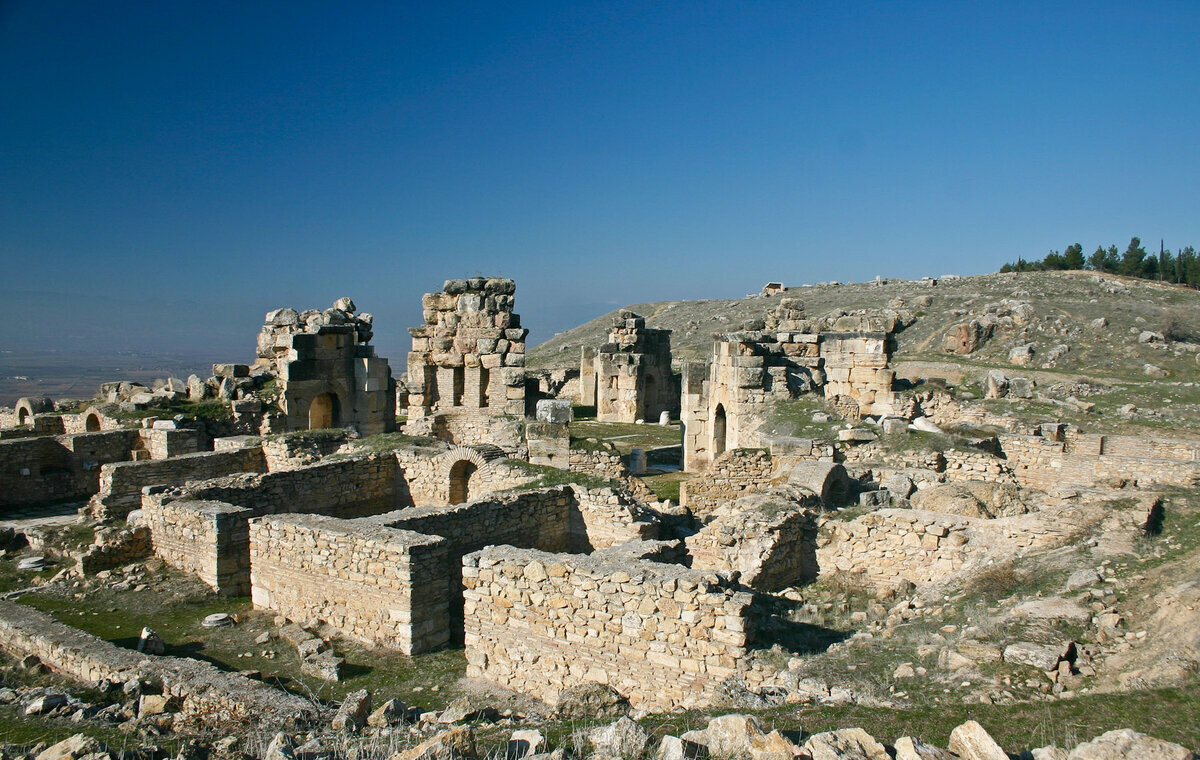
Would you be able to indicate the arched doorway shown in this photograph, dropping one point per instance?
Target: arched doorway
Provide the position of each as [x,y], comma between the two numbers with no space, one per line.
[460,481]
[22,415]
[718,447]
[323,412]
[91,423]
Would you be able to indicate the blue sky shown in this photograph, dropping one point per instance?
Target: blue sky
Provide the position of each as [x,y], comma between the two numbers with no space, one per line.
[222,159]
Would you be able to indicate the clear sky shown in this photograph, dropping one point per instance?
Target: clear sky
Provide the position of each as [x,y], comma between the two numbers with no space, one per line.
[220,159]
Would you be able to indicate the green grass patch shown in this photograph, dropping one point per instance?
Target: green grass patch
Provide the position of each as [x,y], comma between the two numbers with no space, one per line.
[627,436]
[546,476]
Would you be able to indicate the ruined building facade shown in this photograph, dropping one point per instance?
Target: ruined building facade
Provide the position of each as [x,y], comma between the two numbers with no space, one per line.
[629,377]
[327,372]
[466,370]
[725,400]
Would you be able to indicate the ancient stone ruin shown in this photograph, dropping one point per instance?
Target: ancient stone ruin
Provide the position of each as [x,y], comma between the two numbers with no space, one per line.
[466,368]
[843,358]
[327,372]
[629,378]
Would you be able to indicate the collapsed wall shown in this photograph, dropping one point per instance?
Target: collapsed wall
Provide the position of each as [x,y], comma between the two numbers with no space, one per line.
[769,542]
[662,635]
[209,696]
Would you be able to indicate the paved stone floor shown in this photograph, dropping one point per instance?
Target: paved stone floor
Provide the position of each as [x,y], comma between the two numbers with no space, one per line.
[28,517]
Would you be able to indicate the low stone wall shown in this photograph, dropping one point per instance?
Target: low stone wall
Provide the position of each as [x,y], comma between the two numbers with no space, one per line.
[204,527]
[375,584]
[48,469]
[208,696]
[884,548]
[1085,462]
[977,465]
[207,538]
[662,635]
[167,443]
[604,462]
[731,476]
[601,517]
[302,448]
[367,484]
[121,483]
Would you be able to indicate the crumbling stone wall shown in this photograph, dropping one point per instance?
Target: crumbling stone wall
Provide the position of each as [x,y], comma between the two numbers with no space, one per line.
[632,372]
[881,549]
[662,635]
[375,584]
[602,460]
[467,360]
[47,469]
[603,517]
[771,544]
[327,371]
[114,547]
[208,696]
[121,483]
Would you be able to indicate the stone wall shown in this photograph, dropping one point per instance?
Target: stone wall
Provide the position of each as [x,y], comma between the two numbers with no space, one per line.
[375,584]
[208,696]
[601,460]
[366,484]
[603,517]
[1086,462]
[121,483]
[881,549]
[203,528]
[662,635]
[732,475]
[48,469]
[114,547]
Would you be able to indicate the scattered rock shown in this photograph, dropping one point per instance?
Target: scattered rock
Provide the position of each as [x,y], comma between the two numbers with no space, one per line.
[1052,608]
[845,744]
[1082,578]
[452,744]
[1041,656]
[353,712]
[623,738]
[151,643]
[908,748]
[77,746]
[524,743]
[591,700]
[464,710]
[45,703]
[390,713]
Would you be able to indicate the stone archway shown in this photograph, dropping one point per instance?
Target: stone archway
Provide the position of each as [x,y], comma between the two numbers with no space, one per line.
[459,468]
[718,431]
[324,412]
[91,423]
[460,480]
[22,416]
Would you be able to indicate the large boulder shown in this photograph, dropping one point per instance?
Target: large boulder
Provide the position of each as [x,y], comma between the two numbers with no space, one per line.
[620,739]
[1127,744]
[971,742]
[591,700]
